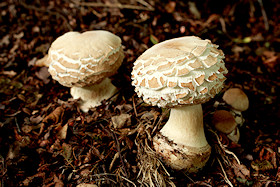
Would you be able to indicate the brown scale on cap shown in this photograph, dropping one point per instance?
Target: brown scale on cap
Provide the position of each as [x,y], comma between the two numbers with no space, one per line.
[198,50]
[196,64]
[200,79]
[164,66]
[182,72]
[205,90]
[179,96]
[171,84]
[212,77]
[210,60]
[187,85]
[154,83]
[170,73]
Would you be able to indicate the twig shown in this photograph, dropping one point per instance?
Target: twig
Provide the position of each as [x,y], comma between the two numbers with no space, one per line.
[113,135]
[115,5]
[266,25]
[134,107]
[102,174]
[145,4]
[18,128]
[225,175]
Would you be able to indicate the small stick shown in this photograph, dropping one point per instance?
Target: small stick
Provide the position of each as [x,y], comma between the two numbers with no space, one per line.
[114,5]
[134,106]
[266,25]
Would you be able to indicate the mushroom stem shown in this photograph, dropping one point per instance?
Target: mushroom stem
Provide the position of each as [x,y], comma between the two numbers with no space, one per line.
[185,126]
[181,142]
[91,96]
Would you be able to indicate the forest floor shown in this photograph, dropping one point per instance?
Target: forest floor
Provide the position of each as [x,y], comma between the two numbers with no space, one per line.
[45,140]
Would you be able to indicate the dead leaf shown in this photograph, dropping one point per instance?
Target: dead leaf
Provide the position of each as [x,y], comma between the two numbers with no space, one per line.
[240,170]
[5,40]
[193,9]
[55,116]
[58,182]
[44,75]
[9,73]
[121,120]
[261,165]
[170,7]
[63,132]
[86,185]
[67,151]
[154,39]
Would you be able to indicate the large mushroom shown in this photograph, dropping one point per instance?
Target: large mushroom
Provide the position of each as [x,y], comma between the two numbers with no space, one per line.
[84,61]
[181,73]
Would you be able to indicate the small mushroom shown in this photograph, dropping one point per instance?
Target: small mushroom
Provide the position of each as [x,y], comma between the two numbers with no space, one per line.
[238,101]
[224,122]
[181,73]
[84,61]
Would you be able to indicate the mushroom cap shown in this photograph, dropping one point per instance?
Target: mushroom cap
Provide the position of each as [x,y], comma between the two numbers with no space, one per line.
[180,71]
[236,98]
[223,121]
[81,59]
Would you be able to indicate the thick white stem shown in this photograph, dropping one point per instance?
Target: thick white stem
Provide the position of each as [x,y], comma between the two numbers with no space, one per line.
[185,126]
[92,96]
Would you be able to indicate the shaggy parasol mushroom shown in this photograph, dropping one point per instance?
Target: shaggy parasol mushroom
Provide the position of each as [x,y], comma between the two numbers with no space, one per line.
[238,101]
[224,122]
[84,61]
[181,73]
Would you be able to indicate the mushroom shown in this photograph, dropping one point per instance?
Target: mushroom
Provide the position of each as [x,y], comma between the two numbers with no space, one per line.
[84,61]
[224,122]
[238,102]
[181,73]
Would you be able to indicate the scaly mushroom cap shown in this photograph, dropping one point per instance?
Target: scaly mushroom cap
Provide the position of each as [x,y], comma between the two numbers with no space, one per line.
[185,70]
[81,59]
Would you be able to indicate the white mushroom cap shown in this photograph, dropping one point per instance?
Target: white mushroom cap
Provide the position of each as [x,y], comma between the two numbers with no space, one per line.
[237,99]
[81,59]
[185,70]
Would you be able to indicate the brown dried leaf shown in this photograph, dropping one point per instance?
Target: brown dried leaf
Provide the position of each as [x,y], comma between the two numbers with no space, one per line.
[262,165]
[240,170]
[44,75]
[170,7]
[67,151]
[55,116]
[121,120]
[63,132]
[58,182]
